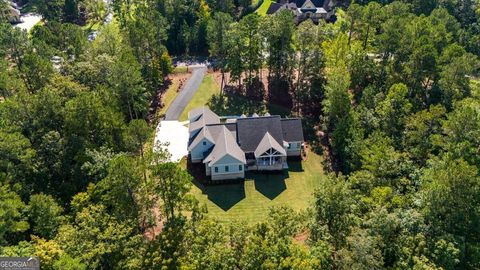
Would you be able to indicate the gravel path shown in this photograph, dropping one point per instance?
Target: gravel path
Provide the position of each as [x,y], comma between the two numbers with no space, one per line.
[187,93]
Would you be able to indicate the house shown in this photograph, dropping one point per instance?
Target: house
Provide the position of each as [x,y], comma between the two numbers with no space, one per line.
[230,146]
[304,9]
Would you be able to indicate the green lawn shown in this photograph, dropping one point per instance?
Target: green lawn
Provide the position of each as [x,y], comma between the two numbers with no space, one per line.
[207,89]
[180,69]
[262,10]
[92,26]
[169,96]
[250,201]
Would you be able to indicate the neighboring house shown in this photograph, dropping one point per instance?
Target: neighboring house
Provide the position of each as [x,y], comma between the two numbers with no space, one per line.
[304,9]
[238,144]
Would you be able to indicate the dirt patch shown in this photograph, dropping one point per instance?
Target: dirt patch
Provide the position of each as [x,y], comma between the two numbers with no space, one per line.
[152,232]
[179,79]
[302,237]
[217,75]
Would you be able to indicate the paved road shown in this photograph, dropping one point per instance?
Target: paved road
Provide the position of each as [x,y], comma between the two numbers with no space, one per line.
[188,91]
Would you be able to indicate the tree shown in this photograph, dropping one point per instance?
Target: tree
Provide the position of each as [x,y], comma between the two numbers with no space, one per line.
[12,221]
[421,129]
[44,214]
[171,184]
[217,40]
[334,211]
[340,119]
[234,62]
[252,54]
[372,15]
[95,237]
[451,199]
[310,64]
[118,190]
[379,156]
[278,31]
[91,123]
[337,103]
[50,10]
[128,86]
[457,65]
[147,35]
[462,131]
[96,11]
[393,111]
[17,157]
[354,13]
[361,252]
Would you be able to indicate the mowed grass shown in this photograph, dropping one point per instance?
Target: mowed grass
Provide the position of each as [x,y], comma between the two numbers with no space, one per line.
[169,96]
[262,10]
[207,88]
[250,201]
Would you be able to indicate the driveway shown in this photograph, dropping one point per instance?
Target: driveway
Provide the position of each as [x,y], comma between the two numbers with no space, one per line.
[29,20]
[188,91]
[172,135]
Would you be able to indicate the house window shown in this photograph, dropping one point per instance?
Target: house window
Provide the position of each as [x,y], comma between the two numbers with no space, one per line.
[289,146]
[216,169]
[226,168]
[240,167]
[204,143]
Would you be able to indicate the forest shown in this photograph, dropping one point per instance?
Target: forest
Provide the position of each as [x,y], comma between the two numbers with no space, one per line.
[389,94]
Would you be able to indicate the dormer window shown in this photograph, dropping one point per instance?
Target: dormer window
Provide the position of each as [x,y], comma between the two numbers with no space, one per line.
[204,143]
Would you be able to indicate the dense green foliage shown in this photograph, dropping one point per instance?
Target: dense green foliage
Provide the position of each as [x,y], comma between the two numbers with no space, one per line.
[387,93]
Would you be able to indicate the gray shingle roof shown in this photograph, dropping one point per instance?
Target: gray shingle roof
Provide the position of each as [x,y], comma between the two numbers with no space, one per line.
[210,132]
[251,130]
[204,133]
[248,135]
[225,144]
[201,117]
[274,7]
[292,129]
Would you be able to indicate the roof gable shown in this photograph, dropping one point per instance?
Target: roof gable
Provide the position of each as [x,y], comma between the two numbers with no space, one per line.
[267,143]
[204,133]
[225,144]
[201,117]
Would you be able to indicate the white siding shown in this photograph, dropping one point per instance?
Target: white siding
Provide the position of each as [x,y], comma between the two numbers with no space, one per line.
[294,149]
[196,154]
[235,169]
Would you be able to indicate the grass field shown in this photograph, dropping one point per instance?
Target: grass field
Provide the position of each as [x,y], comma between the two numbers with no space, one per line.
[262,10]
[250,201]
[208,88]
[169,96]
[180,69]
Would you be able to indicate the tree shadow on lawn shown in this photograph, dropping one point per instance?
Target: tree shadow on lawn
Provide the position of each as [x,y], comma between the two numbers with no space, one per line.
[224,196]
[269,184]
